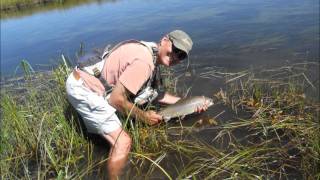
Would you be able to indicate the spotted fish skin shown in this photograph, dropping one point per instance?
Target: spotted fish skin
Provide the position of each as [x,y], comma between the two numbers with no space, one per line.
[184,107]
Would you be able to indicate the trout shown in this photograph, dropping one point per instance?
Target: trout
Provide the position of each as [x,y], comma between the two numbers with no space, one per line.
[184,107]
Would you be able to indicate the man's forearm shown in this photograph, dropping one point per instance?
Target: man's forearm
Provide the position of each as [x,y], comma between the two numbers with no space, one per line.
[118,99]
[130,109]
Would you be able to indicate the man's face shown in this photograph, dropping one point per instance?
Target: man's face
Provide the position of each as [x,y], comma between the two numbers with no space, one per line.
[168,54]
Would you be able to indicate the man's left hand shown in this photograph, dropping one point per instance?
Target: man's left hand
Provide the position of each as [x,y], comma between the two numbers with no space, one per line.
[202,108]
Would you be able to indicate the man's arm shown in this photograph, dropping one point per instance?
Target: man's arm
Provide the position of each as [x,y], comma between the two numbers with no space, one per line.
[118,99]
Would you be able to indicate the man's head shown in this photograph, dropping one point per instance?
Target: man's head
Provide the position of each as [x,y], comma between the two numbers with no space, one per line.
[174,47]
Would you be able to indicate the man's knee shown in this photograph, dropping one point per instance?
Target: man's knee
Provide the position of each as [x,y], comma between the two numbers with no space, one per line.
[120,141]
[123,143]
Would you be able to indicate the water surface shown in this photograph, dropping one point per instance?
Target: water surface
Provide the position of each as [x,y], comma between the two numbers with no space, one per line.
[232,34]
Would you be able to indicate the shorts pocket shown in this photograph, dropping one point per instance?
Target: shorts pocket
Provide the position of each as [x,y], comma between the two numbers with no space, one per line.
[99,103]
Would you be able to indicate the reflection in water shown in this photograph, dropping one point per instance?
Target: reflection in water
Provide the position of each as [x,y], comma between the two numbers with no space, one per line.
[45,6]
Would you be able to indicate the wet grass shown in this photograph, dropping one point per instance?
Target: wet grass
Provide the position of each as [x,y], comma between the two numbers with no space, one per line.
[277,120]
[281,125]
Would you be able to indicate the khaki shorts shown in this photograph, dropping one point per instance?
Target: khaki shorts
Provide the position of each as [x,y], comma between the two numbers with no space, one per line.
[99,117]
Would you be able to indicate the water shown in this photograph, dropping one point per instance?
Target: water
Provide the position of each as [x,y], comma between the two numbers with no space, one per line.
[231,34]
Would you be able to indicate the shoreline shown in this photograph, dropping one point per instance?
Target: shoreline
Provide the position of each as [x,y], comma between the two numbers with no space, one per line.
[16,8]
[7,6]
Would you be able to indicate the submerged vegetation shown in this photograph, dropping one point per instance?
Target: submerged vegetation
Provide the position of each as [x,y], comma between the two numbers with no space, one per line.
[275,133]
[279,127]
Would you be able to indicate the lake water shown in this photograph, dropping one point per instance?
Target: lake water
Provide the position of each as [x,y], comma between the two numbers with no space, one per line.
[226,33]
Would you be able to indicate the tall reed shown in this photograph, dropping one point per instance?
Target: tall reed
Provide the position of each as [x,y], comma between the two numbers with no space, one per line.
[37,138]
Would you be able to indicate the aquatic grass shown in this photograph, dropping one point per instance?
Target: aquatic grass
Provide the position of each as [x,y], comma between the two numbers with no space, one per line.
[148,149]
[279,139]
[36,135]
[154,163]
[281,130]
[280,121]
[241,162]
[26,68]
[49,142]
[280,111]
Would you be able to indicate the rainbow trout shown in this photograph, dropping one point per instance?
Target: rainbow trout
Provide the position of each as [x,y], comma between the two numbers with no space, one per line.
[184,107]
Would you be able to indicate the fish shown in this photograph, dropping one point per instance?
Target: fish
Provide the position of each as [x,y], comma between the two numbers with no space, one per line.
[184,107]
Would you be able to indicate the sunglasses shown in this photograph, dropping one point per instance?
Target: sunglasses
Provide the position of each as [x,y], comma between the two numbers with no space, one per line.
[178,53]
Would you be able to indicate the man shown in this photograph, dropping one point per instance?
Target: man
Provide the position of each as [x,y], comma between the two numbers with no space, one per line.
[129,68]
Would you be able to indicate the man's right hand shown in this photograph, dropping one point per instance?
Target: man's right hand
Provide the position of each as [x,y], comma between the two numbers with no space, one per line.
[118,99]
[152,117]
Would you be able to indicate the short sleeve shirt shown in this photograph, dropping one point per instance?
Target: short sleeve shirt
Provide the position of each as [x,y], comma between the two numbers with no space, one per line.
[131,64]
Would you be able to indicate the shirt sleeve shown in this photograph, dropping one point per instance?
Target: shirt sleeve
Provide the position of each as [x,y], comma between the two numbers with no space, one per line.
[135,75]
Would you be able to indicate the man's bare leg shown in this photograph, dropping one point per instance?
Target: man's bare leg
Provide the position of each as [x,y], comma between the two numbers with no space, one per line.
[121,144]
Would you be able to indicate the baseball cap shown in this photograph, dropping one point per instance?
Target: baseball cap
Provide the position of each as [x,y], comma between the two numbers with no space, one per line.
[181,40]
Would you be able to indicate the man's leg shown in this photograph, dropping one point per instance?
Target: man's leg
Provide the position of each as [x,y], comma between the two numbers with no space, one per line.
[121,144]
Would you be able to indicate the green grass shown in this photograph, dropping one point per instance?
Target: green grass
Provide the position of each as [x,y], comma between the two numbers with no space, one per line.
[280,132]
[36,138]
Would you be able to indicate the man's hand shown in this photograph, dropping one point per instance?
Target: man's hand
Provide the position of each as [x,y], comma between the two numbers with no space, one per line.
[202,108]
[152,117]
